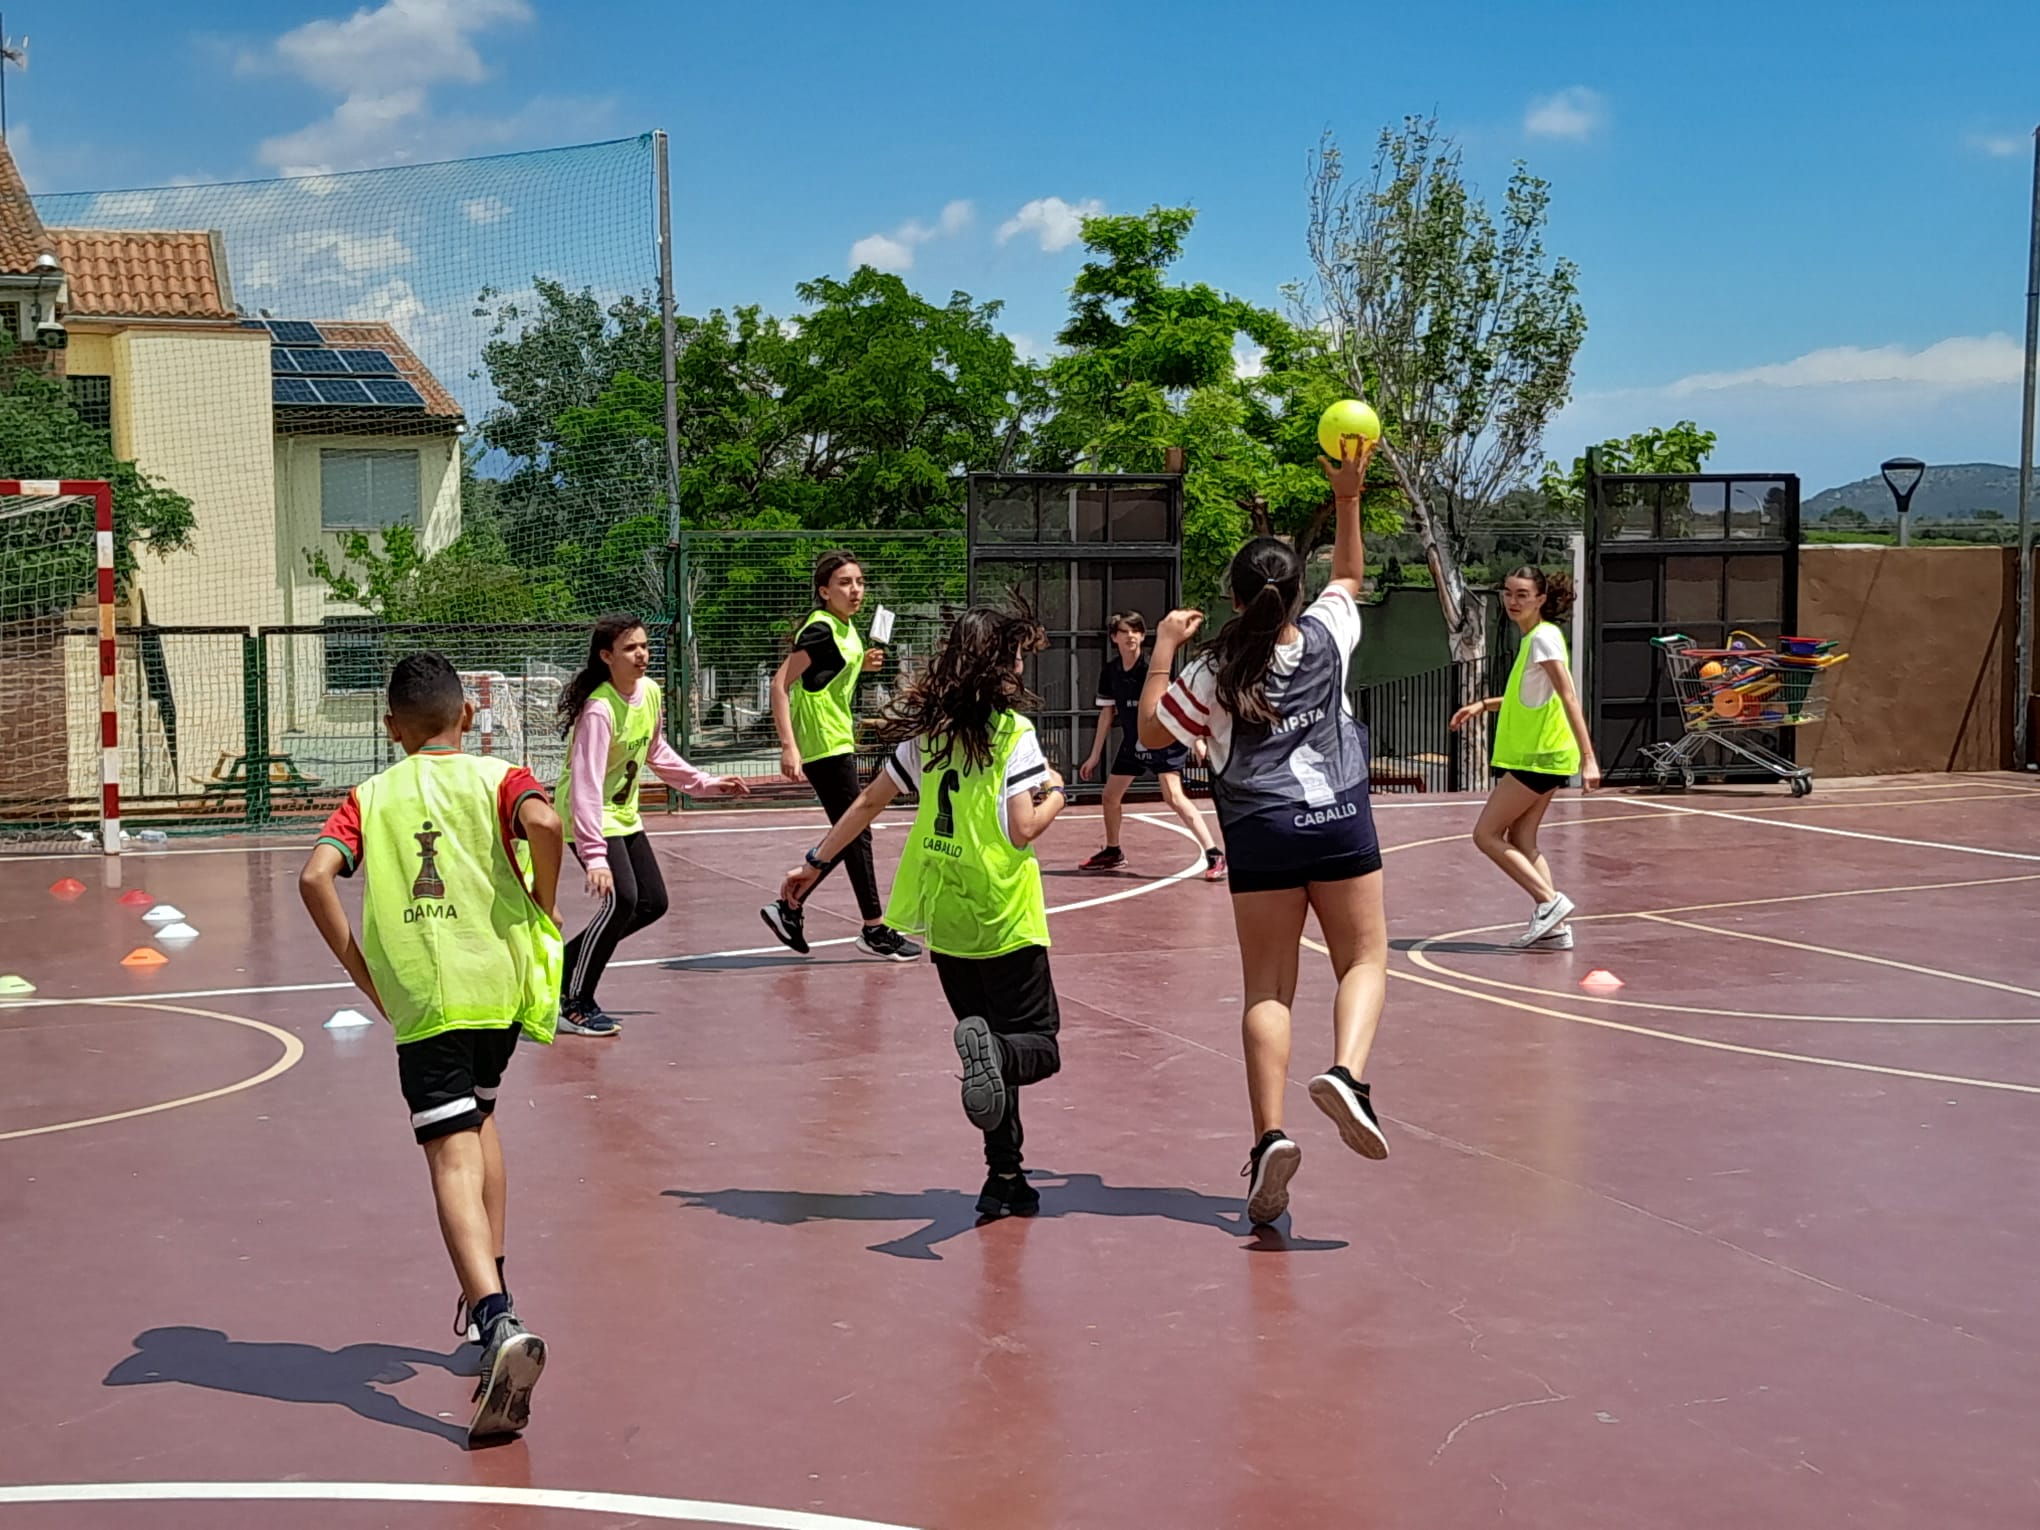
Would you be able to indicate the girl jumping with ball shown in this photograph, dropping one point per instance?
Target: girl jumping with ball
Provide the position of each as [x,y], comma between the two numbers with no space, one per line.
[1289,775]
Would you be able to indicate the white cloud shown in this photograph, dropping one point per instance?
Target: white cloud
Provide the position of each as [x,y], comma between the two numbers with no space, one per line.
[1959,362]
[382,62]
[1999,145]
[398,44]
[882,251]
[895,251]
[1575,112]
[486,210]
[1248,359]
[1055,223]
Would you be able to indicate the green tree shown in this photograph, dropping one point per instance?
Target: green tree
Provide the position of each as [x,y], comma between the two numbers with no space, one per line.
[1680,448]
[47,557]
[1845,515]
[1449,317]
[1151,364]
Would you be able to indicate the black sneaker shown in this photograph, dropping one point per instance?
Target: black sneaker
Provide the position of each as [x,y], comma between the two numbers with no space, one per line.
[512,1360]
[1003,1197]
[984,1082]
[1344,1098]
[464,1323]
[576,1021]
[887,944]
[784,921]
[1270,1167]
[1111,858]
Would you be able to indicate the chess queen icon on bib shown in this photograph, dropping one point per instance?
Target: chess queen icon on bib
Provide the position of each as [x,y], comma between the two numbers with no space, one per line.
[427,883]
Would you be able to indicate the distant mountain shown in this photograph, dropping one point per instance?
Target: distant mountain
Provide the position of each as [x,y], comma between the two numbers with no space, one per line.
[1947,493]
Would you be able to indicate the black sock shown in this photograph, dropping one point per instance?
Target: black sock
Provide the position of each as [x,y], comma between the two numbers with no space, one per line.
[488,1310]
[499,1273]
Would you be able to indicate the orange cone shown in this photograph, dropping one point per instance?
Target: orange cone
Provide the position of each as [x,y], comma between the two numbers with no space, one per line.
[136,899]
[144,956]
[1600,980]
[67,889]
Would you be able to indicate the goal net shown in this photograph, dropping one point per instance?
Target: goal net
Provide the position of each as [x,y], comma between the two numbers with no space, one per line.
[59,739]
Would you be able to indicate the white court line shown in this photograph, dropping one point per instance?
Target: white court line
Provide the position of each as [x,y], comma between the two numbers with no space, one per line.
[1821,828]
[1195,868]
[692,1511]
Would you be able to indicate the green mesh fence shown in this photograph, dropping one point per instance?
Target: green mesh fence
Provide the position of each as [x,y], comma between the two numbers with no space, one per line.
[409,407]
[743,597]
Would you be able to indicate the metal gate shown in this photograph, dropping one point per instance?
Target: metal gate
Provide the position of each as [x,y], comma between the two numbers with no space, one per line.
[1706,554]
[1078,547]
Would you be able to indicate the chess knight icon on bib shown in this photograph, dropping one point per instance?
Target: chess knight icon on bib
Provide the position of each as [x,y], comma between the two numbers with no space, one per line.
[427,884]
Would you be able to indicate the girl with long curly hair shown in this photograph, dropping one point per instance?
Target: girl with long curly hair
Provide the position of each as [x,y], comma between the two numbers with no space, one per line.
[968,882]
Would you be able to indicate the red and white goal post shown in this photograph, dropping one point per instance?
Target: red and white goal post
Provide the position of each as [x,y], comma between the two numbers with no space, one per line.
[45,575]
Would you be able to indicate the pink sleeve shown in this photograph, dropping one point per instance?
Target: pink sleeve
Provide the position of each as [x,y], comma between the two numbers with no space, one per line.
[591,763]
[664,762]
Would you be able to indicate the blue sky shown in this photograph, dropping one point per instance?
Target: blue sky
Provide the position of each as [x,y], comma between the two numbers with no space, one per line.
[1800,223]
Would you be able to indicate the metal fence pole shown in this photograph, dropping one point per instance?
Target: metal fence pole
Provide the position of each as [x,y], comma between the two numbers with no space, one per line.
[255,725]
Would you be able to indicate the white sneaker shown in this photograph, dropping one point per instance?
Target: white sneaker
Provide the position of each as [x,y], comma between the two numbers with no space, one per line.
[1559,939]
[1549,916]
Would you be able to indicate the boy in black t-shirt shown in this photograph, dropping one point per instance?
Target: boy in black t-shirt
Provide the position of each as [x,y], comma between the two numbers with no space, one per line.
[1119,688]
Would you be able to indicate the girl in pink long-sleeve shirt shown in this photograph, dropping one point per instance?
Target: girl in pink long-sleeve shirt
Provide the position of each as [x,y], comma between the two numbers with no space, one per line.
[610,713]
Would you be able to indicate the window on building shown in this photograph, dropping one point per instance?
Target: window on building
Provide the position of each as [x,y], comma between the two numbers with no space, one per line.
[92,399]
[355,658]
[365,490]
[12,317]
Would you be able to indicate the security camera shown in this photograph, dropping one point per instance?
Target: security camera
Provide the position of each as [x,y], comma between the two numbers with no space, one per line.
[51,335]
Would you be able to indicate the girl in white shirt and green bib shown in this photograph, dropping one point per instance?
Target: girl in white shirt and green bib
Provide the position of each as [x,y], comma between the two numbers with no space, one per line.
[1541,740]
[968,882]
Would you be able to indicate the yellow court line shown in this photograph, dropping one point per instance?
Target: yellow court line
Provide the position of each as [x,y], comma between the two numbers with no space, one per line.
[1722,1046]
[1853,956]
[293,1050]
[1419,955]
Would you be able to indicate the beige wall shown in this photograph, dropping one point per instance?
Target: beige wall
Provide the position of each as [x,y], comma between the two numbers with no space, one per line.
[298,664]
[1929,634]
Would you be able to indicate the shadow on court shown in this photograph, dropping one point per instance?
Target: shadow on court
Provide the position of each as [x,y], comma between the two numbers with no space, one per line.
[1473,948]
[756,963]
[947,1214]
[297,1373]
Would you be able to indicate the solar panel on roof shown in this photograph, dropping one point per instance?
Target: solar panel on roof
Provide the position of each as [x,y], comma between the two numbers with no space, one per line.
[294,332]
[394,392]
[320,361]
[367,362]
[292,390]
[341,390]
[281,360]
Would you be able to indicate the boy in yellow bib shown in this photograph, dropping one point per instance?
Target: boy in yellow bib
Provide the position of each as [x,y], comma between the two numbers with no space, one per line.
[461,954]
[968,881]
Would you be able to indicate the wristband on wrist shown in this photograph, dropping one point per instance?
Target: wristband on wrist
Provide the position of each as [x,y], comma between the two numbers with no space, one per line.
[815,861]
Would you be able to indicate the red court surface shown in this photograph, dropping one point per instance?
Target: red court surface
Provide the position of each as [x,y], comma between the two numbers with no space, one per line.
[1748,1242]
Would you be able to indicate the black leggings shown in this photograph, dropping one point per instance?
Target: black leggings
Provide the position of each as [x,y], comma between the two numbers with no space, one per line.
[638,899]
[835,782]
[1015,994]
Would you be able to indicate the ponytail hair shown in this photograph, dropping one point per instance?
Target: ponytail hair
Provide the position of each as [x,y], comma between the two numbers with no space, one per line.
[1555,589]
[608,632]
[1266,582]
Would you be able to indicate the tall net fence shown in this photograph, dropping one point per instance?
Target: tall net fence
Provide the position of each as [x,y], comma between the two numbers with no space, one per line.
[743,598]
[345,415]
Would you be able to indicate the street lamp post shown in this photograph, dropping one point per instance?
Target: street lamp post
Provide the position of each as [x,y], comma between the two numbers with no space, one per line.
[1902,476]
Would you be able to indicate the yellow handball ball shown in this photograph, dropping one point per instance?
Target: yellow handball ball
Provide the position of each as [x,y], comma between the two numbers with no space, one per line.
[1348,417]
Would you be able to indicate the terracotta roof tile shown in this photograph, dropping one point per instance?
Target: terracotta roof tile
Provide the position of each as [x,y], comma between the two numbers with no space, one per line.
[143,273]
[383,337]
[22,235]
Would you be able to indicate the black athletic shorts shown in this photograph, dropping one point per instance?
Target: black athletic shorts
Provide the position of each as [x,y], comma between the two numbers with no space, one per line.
[1334,868]
[1539,781]
[1135,761]
[450,1080]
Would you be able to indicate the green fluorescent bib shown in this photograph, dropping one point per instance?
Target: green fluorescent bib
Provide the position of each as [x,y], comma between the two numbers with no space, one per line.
[630,742]
[823,723]
[962,883]
[1537,738]
[450,932]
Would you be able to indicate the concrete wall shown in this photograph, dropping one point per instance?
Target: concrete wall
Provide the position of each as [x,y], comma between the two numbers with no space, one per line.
[1929,632]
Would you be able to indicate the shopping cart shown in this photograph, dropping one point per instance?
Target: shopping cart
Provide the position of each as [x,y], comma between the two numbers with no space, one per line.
[1729,695]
